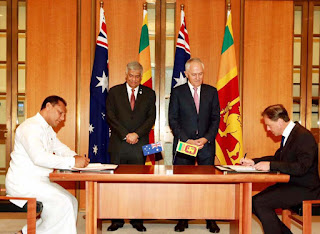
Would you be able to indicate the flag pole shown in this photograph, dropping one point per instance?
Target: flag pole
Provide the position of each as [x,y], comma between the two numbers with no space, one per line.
[181,9]
[228,7]
[145,6]
[175,154]
[101,4]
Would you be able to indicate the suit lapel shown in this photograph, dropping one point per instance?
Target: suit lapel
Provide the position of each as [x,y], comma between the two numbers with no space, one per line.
[139,97]
[203,93]
[289,140]
[124,93]
[291,137]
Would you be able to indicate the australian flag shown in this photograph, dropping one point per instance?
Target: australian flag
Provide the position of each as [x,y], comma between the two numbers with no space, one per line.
[152,148]
[182,55]
[98,128]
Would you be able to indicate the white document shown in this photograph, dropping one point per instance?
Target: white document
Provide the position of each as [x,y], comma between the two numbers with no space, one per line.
[239,168]
[223,168]
[96,167]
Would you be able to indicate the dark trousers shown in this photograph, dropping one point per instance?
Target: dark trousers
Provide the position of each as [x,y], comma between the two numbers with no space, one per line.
[278,196]
[128,158]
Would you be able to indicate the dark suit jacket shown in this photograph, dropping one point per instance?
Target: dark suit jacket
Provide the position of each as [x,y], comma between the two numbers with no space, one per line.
[184,120]
[298,158]
[122,120]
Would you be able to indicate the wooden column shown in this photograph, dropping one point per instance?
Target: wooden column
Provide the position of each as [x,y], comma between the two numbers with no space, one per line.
[267,73]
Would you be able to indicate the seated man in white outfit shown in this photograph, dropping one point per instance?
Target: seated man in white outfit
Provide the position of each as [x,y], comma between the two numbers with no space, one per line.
[37,150]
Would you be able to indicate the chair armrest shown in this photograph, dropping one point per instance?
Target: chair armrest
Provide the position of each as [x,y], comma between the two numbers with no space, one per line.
[17,198]
[311,207]
[31,213]
[311,202]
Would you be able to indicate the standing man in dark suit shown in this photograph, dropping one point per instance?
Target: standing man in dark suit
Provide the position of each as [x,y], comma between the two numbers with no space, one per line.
[131,114]
[194,115]
[298,157]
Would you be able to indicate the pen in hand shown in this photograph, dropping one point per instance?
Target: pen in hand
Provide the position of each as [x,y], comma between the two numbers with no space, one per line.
[244,157]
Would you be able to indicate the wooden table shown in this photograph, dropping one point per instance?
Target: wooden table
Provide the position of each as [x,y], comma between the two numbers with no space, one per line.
[169,192]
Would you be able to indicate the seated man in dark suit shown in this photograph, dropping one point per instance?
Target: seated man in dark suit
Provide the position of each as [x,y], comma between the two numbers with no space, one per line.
[131,113]
[298,157]
[194,115]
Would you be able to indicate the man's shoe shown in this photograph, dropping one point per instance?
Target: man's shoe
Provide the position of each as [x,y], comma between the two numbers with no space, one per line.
[212,226]
[114,226]
[138,226]
[181,225]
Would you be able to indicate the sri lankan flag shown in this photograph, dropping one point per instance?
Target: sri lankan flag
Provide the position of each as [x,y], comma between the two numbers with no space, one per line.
[186,148]
[144,60]
[229,145]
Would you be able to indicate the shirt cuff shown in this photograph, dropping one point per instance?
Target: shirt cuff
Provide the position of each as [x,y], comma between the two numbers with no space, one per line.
[71,162]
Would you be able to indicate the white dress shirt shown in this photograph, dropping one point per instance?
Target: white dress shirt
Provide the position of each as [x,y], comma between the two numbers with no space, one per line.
[37,150]
[287,131]
[129,91]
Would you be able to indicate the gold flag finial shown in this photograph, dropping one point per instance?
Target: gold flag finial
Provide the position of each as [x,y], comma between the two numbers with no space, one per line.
[229,5]
[101,4]
[145,6]
[182,7]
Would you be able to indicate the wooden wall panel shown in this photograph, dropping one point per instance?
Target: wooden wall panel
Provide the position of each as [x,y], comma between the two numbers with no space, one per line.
[85,74]
[51,58]
[267,77]
[124,22]
[85,77]
[205,22]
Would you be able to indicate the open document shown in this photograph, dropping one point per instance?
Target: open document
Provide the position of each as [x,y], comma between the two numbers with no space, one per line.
[238,168]
[96,167]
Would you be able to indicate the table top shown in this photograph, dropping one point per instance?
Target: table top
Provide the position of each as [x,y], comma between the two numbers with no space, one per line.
[168,174]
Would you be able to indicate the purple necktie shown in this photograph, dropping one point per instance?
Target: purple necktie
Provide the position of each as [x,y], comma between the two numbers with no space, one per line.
[196,99]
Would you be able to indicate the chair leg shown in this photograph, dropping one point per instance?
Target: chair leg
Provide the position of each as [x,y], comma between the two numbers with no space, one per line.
[286,218]
[31,216]
[307,218]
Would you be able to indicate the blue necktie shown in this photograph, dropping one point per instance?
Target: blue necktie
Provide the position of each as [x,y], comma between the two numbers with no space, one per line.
[282,141]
